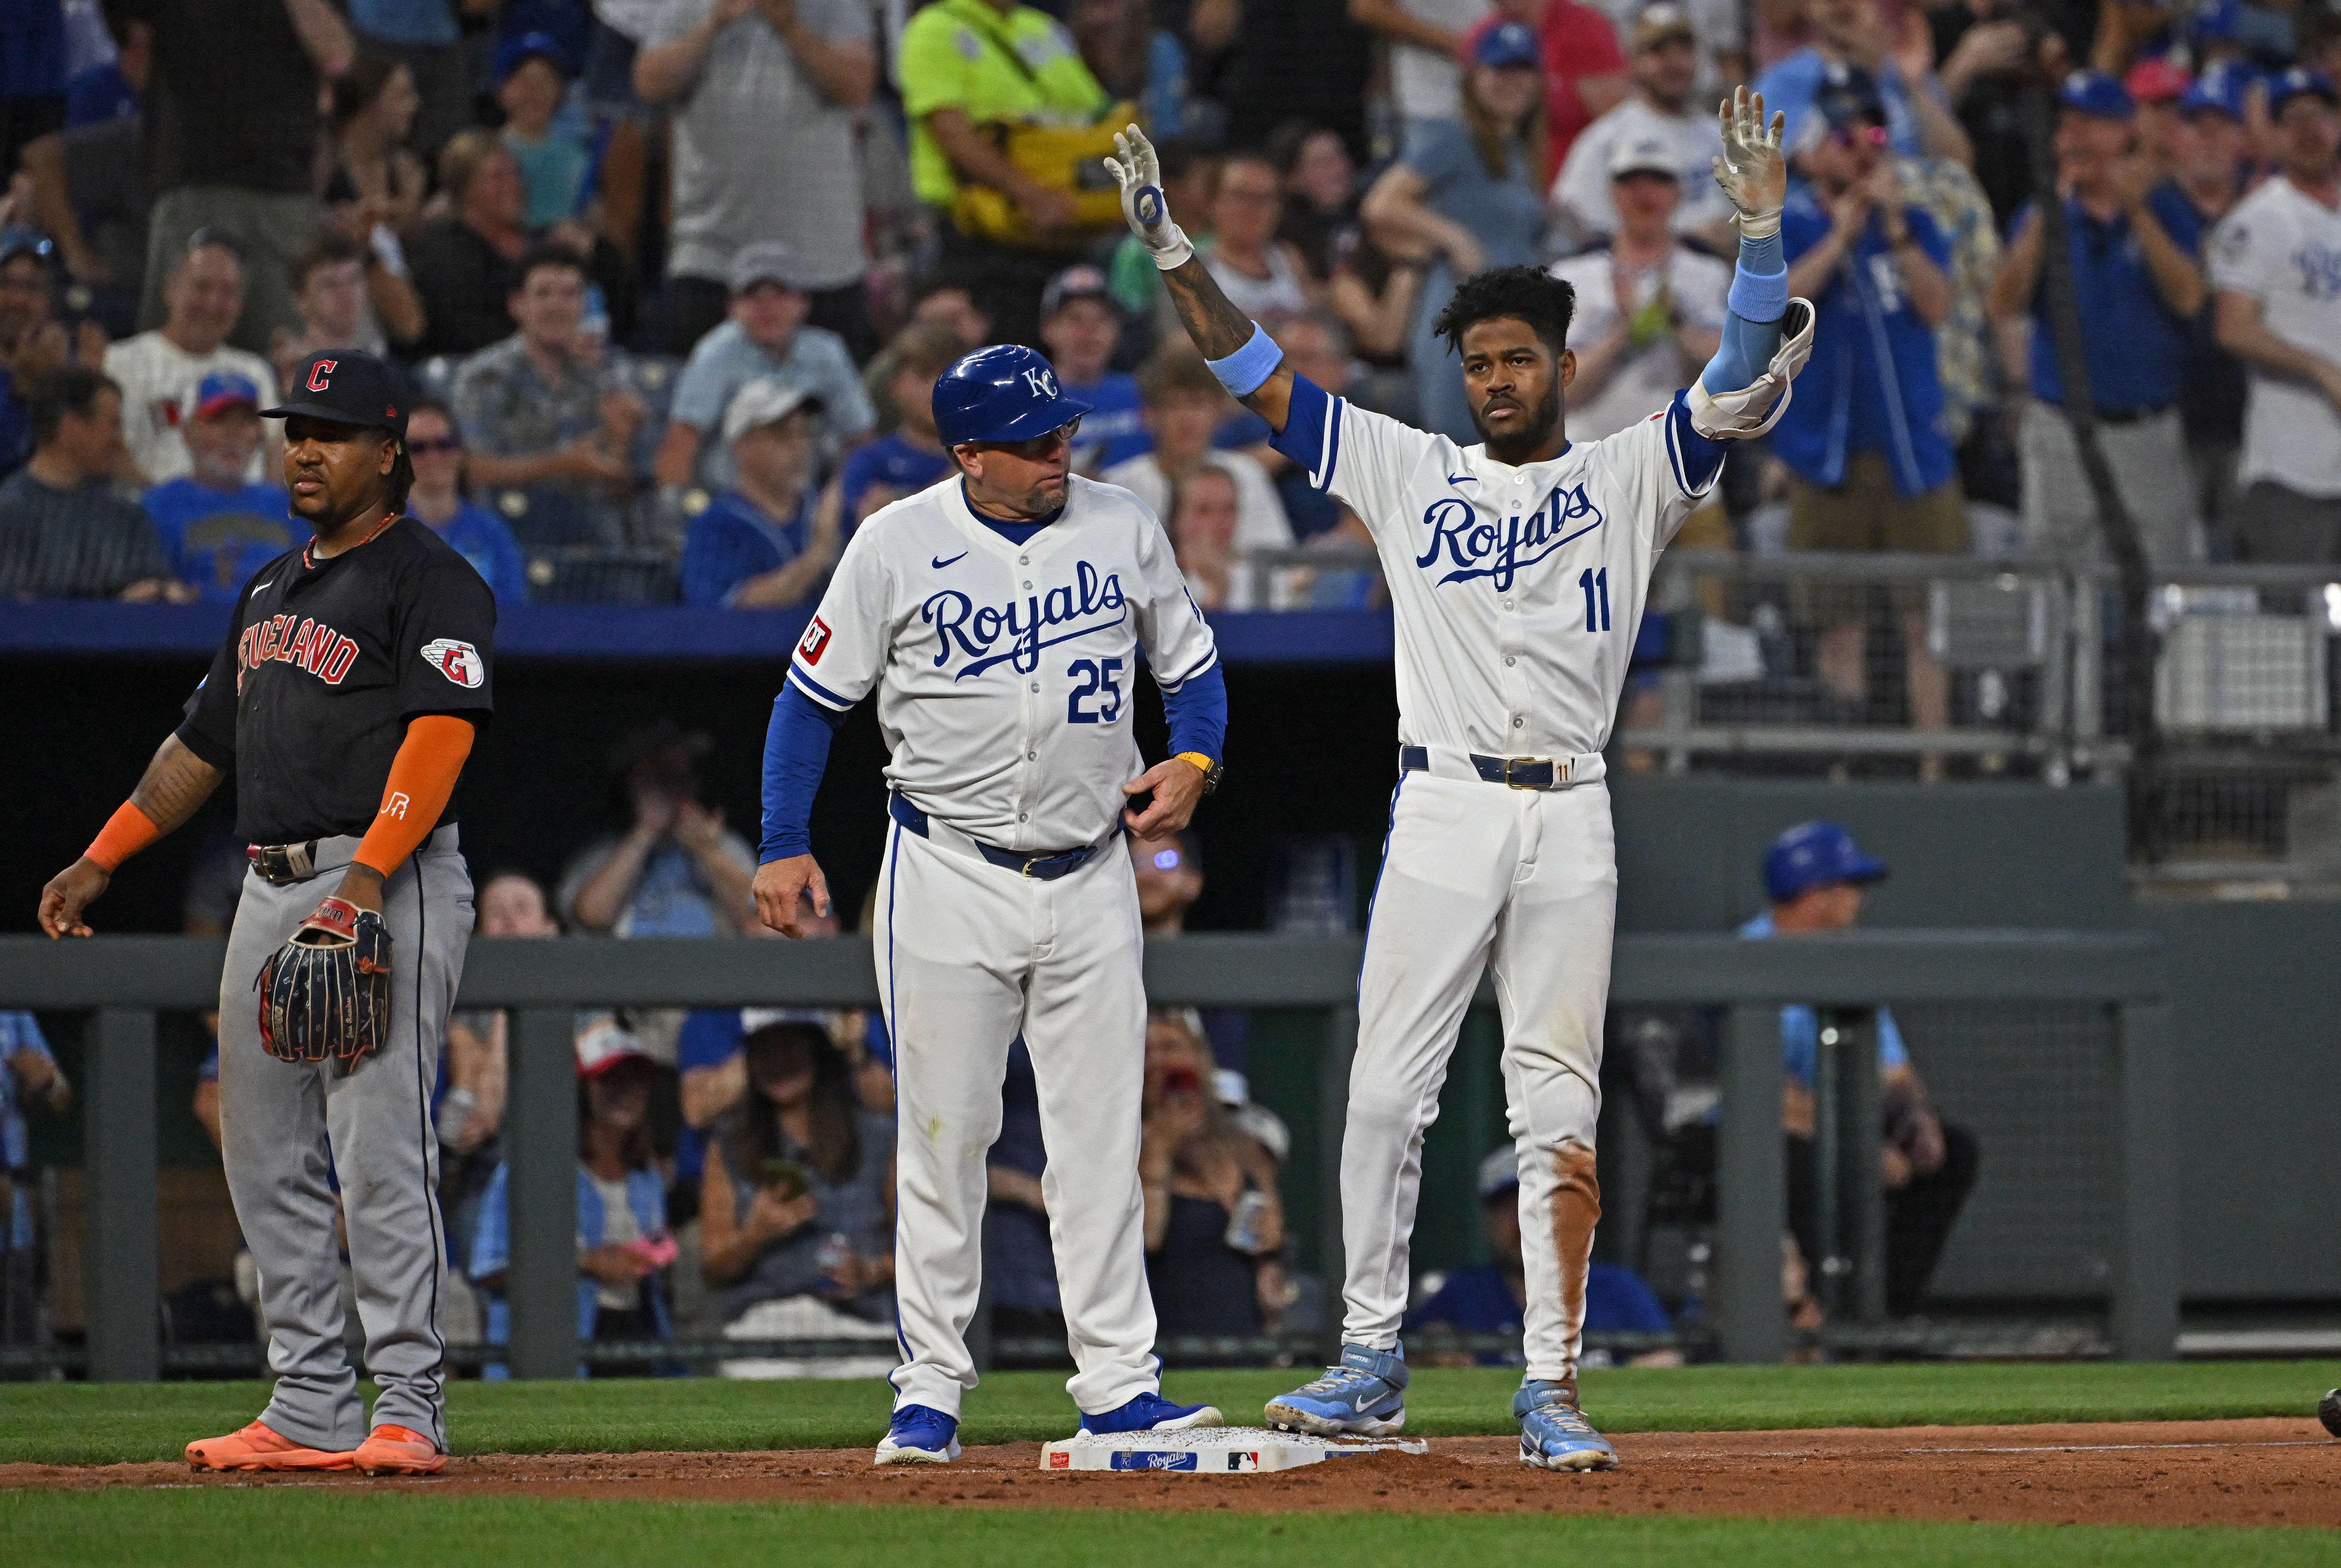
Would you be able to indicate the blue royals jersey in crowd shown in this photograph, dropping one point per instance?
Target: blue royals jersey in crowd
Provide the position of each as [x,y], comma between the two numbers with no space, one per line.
[734,540]
[1114,430]
[890,460]
[216,539]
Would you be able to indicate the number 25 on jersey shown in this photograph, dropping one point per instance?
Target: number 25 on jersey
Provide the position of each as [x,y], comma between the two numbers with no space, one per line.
[1097,678]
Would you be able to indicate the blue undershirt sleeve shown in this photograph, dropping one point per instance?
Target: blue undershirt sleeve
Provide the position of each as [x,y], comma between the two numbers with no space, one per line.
[1751,330]
[796,754]
[1198,712]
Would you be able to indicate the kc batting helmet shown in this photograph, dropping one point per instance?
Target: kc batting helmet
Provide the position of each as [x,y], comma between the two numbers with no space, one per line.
[1004,392]
[1814,854]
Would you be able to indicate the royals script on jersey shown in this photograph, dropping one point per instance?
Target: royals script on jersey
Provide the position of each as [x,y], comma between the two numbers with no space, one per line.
[1005,671]
[1517,591]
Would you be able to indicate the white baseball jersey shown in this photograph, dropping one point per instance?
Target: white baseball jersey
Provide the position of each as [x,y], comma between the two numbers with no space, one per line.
[2283,247]
[1517,591]
[1005,672]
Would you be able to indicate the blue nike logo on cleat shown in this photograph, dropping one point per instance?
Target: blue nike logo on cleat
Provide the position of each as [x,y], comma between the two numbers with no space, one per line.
[939,562]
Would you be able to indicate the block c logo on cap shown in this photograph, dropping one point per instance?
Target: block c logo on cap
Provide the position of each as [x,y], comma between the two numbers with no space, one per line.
[321,374]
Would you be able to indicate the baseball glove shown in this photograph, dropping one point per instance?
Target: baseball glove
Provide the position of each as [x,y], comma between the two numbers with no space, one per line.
[326,992]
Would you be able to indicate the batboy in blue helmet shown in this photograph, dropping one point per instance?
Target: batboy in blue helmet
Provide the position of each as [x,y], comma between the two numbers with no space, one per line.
[1814,854]
[1004,392]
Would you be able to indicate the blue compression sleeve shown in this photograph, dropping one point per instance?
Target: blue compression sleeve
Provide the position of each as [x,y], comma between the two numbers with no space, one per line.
[796,753]
[1198,712]
[1759,284]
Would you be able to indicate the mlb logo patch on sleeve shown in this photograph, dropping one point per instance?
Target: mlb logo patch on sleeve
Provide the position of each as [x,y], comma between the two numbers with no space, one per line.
[816,639]
[459,661]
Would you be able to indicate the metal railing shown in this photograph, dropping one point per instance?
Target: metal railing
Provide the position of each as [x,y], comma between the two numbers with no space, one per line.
[124,981]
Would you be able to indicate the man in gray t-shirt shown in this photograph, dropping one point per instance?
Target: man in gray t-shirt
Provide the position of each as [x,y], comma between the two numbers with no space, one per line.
[764,95]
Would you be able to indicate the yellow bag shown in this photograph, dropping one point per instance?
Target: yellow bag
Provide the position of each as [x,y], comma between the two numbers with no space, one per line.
[1070,158]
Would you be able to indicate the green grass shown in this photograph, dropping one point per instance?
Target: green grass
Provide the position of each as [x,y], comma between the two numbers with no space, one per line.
[92,1424]
[254,1528]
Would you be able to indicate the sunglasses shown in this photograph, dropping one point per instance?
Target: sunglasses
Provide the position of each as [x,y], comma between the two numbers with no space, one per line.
[1847,135]
[440,444]
[1039,446]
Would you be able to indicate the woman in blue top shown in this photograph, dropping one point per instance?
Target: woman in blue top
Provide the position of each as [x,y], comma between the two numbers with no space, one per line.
[622,1243]
[1470,190]
[479,536]
[797,1198]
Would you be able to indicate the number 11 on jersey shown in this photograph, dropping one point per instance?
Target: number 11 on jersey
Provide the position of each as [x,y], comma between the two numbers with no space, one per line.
[1597,598]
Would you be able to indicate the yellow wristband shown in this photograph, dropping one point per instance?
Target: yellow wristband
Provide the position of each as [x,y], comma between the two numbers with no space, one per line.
[1202,763]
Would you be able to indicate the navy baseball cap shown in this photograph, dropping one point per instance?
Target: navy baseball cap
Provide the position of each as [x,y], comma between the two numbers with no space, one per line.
[1004,392]
[1849,97]
[2219,90]
[524,46]
[2095,92]
[1499,1172]
[347,386]
[2300,82]
[1512,44]
[1816,855]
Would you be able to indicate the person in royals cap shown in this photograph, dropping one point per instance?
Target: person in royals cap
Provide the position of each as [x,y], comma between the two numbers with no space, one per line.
[219,526]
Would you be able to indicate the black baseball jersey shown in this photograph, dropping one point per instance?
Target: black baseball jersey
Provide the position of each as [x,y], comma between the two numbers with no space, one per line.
[308,699]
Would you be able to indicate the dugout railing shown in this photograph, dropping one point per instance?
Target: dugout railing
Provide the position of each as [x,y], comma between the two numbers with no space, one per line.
[123,981]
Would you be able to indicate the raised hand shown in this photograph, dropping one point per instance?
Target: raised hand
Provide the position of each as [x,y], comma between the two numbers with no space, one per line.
[1751,171]
[1143,207]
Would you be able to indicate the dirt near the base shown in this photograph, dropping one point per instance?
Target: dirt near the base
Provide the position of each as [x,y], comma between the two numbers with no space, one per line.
[2265,1472]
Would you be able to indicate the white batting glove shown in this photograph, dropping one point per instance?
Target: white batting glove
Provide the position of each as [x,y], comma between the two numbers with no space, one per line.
[1751,171]
[1139,173]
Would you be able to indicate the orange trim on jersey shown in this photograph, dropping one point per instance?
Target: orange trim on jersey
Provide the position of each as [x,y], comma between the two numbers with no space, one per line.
[126,832]
[422,780]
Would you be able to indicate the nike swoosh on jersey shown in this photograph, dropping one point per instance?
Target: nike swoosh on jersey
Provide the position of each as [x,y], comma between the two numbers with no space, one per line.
[939,562]
[256,587]
[1462,479]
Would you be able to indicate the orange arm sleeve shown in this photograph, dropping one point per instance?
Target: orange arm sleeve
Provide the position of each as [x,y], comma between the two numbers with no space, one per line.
[422,777]
[126,832]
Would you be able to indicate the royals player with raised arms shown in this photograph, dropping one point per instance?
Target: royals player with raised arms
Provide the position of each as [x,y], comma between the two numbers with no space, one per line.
[1517,571]
[1002,616]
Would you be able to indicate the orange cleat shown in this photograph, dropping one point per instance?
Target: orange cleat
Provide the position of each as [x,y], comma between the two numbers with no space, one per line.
[258,1447]
[397,1451]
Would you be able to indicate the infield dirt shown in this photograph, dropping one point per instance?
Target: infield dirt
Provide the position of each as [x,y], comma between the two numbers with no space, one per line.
[2259,1472]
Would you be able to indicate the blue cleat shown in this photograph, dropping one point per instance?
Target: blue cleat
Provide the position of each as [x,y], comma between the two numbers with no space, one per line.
[1364,1396]
[1554,1433]
[1151,1413]
[920,1435]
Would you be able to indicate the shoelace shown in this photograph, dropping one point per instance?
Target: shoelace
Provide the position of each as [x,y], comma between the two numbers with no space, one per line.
[1340,1379]
[1566,1418]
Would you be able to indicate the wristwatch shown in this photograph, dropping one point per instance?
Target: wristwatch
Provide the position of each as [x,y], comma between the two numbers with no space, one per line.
[1211,770]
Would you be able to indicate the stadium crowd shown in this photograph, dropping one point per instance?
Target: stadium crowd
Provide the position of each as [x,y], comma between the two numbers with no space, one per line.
[669,279]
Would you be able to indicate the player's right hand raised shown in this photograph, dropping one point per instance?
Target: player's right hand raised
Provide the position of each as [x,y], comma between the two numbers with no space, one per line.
[1144,206]
[780,889]
[69,892]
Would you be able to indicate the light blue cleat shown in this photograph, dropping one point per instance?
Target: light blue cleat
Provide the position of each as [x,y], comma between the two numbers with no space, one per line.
[1364,1396]
[1151,1413]
[1554,1433]
[919,1435]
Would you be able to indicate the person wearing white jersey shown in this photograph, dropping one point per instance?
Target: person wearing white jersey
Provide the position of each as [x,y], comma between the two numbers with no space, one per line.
[1516,571]
[1002,616]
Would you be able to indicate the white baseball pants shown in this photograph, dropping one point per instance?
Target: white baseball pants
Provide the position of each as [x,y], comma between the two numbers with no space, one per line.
[969,953]
[1524,883]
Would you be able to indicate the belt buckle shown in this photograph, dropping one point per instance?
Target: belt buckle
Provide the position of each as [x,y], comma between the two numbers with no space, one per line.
[1031,861]
[1509,762]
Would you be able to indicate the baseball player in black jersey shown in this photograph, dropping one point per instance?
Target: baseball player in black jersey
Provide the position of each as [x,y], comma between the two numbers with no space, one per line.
[345,699]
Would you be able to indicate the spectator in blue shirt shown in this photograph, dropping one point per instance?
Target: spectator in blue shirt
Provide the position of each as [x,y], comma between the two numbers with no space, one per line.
[1080,327]
[623,1245]
[218,529]
[112,91]
[766,543]
[1871,466]
[911,456]
[2133,239]
[436,449]
[766,338]
[1814,874]
[29,1082]
[1854,34]
[531,72]
[1487,1298]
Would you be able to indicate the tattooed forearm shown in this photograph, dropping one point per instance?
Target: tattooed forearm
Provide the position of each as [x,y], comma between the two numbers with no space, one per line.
[1218,327]
[176,783]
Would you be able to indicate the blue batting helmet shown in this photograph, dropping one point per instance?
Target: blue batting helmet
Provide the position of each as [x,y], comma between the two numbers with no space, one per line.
[1814,854]
[1004,392]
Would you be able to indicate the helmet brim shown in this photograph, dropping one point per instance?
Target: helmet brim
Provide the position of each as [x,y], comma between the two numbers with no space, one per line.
[1038,420]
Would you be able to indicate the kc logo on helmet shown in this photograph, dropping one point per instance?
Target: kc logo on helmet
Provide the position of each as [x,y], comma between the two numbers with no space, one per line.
[1042,384]
[459,661]
[321,374]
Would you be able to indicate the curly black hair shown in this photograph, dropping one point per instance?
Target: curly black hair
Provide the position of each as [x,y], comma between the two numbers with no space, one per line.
[1523,293]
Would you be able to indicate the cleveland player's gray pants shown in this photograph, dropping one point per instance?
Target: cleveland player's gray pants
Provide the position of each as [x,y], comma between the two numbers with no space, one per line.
[283,1123]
